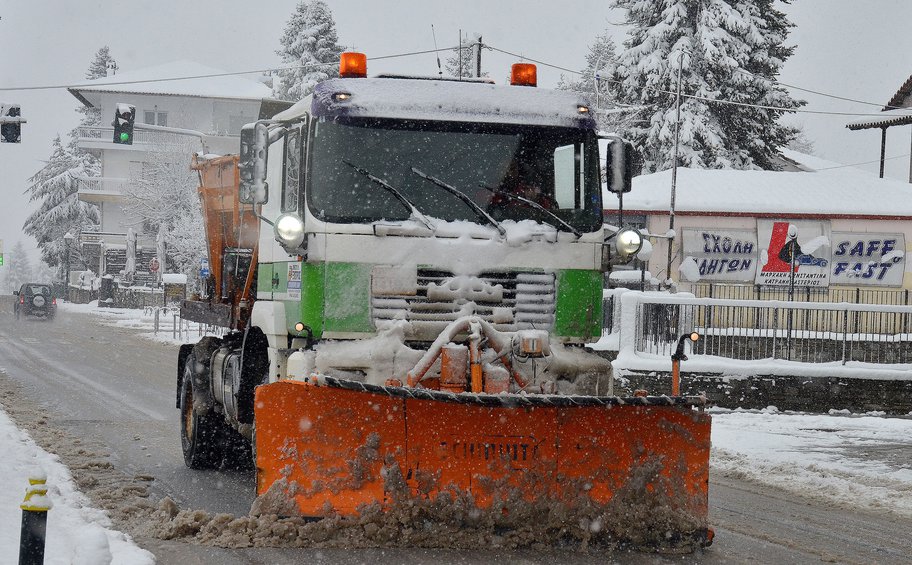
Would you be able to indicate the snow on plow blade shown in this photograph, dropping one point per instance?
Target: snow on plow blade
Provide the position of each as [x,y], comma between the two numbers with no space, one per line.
[635,470]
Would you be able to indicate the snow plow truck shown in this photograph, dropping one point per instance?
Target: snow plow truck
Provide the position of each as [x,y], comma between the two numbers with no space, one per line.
[409,270]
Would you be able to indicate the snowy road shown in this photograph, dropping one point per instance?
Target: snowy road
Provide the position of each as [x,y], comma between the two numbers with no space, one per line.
[114,392]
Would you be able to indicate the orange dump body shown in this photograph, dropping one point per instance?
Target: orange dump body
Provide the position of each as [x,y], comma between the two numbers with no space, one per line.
[230,226]
[332,446]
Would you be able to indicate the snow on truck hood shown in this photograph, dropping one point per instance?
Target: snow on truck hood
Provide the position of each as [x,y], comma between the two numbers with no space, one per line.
[442,100]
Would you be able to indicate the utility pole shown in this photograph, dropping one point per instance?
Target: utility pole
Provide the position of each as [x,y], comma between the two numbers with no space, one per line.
[674,167]
[478,59]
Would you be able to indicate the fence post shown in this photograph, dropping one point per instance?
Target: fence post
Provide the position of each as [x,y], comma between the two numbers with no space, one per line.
[845,334]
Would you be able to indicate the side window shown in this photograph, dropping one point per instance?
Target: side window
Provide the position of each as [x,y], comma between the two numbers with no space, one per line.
[568,176]
[291,177]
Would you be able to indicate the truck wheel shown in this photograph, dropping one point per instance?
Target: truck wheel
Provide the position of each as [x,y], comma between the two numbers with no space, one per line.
[200,437]
[237,452]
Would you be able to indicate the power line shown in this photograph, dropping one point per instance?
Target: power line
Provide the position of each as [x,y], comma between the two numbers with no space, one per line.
[825,94]
[213,75]
[864,162]
[698,97]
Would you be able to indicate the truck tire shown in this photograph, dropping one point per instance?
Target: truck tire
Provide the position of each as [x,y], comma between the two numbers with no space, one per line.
[201,437]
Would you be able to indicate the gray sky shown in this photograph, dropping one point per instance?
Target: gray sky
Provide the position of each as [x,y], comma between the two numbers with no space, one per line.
[854,49]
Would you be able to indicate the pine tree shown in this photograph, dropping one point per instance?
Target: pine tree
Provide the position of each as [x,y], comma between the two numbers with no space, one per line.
[98,68]
[20,268]
[728,51]
[59,211]
[601,61]
[310,47]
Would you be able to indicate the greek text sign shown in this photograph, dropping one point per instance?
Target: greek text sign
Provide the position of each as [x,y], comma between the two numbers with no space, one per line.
[722,254]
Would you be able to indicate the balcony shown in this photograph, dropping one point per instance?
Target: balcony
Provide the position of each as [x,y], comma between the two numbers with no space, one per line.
[102,137]
[100,189]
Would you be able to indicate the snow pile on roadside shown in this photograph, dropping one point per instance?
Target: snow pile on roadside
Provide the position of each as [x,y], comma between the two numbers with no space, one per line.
[851,460]
[142,320]
[77,533]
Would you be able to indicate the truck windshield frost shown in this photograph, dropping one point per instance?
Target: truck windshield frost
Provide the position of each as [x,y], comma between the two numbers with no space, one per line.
[511,172]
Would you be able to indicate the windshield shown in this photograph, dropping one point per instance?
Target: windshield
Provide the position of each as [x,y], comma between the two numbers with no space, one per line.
[557,168]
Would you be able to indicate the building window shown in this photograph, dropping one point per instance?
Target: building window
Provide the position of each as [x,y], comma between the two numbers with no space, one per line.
[155,118]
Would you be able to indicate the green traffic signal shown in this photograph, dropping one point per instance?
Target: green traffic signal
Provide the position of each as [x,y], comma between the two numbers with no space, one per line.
[124,136]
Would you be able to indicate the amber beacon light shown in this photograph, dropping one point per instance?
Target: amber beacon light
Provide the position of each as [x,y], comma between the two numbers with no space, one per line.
[353,65]
[523,74]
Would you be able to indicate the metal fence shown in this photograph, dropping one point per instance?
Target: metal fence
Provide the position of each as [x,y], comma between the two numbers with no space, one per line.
[853,295]
[772,329]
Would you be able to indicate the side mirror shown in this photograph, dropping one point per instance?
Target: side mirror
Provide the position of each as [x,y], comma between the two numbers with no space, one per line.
[620,165]
[15,293]
[254,143]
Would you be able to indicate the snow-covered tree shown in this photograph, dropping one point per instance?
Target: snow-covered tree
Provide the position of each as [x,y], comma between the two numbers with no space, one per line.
[59,211]
[801,142]
[310,50]
[18,268]
[165,196]
[728,51]
[468,54]
[601,60]
[98,68]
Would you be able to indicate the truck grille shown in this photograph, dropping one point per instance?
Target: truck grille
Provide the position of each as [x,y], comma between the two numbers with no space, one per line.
[527,301]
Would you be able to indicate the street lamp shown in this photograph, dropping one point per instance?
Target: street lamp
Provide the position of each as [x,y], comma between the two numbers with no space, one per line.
[68,239]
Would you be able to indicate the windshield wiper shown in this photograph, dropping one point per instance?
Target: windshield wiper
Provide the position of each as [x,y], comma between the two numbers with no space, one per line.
[462,196]
[395,192]
[535,205]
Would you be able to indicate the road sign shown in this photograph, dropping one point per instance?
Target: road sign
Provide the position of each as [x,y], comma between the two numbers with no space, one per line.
[154,265]
[204,268]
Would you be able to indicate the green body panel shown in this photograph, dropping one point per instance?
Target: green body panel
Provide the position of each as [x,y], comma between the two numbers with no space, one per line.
[579,304]
[345,306]
[264,278]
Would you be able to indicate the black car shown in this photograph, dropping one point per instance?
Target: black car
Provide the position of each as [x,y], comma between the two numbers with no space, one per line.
[35,299]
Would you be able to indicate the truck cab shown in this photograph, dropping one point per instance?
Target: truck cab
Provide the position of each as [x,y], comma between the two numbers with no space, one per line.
[399,205]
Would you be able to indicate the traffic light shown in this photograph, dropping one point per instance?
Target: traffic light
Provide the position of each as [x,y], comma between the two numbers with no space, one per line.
[10,123]
[124,116]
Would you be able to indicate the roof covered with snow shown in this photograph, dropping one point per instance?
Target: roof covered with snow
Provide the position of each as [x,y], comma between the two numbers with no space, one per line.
[172,78]
[421,99]
[898,117]
[838,192]
[900,95]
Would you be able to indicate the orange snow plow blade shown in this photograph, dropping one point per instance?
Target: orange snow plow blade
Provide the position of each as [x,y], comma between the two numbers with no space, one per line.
[333,446]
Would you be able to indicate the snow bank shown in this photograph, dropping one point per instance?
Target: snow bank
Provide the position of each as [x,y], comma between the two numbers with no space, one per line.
[77,533]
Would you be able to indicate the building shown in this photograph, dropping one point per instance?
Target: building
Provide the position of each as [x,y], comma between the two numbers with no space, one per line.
[852,232]
[896,112]
[214,106]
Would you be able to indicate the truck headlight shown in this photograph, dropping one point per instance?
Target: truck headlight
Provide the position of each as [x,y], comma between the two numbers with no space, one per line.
[628,242]
[289,231]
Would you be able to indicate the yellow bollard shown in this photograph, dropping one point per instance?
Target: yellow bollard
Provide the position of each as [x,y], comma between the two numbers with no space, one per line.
[34,521]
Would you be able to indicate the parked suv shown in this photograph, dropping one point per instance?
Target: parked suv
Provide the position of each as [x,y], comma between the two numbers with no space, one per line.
[35,299]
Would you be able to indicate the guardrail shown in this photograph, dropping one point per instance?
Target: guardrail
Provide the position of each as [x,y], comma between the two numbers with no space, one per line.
[774,329]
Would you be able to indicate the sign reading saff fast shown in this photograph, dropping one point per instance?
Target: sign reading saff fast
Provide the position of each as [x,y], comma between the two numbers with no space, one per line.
[868,259]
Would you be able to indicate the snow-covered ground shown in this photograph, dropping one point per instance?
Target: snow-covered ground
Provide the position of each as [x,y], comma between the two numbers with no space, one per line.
[77,533]
[170,328]
[855,460]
